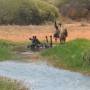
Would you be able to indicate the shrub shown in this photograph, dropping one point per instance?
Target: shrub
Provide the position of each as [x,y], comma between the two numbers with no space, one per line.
[74,9]
[26,12]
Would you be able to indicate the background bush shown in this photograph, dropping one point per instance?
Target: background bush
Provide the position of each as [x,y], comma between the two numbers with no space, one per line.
[74,9]
[26,12]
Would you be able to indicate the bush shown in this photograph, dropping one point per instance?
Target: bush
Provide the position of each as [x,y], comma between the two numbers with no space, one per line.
[26,12]
[75,9]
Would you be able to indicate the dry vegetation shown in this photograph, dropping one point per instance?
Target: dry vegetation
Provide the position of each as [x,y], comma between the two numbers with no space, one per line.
[22,33]
[8,84]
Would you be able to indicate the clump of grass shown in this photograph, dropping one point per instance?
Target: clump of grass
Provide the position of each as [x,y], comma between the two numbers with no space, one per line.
[7,84]
[69,55]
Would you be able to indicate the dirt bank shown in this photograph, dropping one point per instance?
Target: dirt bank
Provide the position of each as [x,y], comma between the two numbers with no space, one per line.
[22,33]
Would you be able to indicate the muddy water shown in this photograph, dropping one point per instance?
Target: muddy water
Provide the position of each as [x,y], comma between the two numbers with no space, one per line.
[40,76]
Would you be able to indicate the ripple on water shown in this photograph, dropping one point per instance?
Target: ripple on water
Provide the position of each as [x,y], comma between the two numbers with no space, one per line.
[40,76]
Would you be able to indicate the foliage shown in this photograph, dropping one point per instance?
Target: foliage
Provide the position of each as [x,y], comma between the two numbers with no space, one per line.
[6,84]
[74,9]
[26,12]
[69,55]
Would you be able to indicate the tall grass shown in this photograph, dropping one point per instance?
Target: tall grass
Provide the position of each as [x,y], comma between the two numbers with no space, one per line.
[69,55]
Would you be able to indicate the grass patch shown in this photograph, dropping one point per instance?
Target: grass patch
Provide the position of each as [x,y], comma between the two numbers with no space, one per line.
[69,55]
[7,84]
[8,50]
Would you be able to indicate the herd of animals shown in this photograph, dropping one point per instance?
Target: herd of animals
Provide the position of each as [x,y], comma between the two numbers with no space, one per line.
[59,34]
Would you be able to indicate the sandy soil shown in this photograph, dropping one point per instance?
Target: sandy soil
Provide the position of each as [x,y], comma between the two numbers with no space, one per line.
[22,33]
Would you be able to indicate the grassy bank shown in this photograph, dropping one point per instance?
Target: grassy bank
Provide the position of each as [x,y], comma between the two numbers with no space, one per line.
[70,55]
[8,50]
[6,84]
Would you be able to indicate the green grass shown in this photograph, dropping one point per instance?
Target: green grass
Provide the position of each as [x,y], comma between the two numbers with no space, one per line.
[8,50]
[69,55]
[6,84]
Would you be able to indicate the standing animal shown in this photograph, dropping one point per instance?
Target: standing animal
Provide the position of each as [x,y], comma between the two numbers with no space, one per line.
[63,36]
[57,32]
[60,33]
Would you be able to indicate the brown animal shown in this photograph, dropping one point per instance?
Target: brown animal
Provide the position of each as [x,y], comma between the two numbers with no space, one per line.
[60,33]
[63,36]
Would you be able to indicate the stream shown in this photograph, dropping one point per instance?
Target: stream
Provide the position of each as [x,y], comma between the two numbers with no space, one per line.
[40,76]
